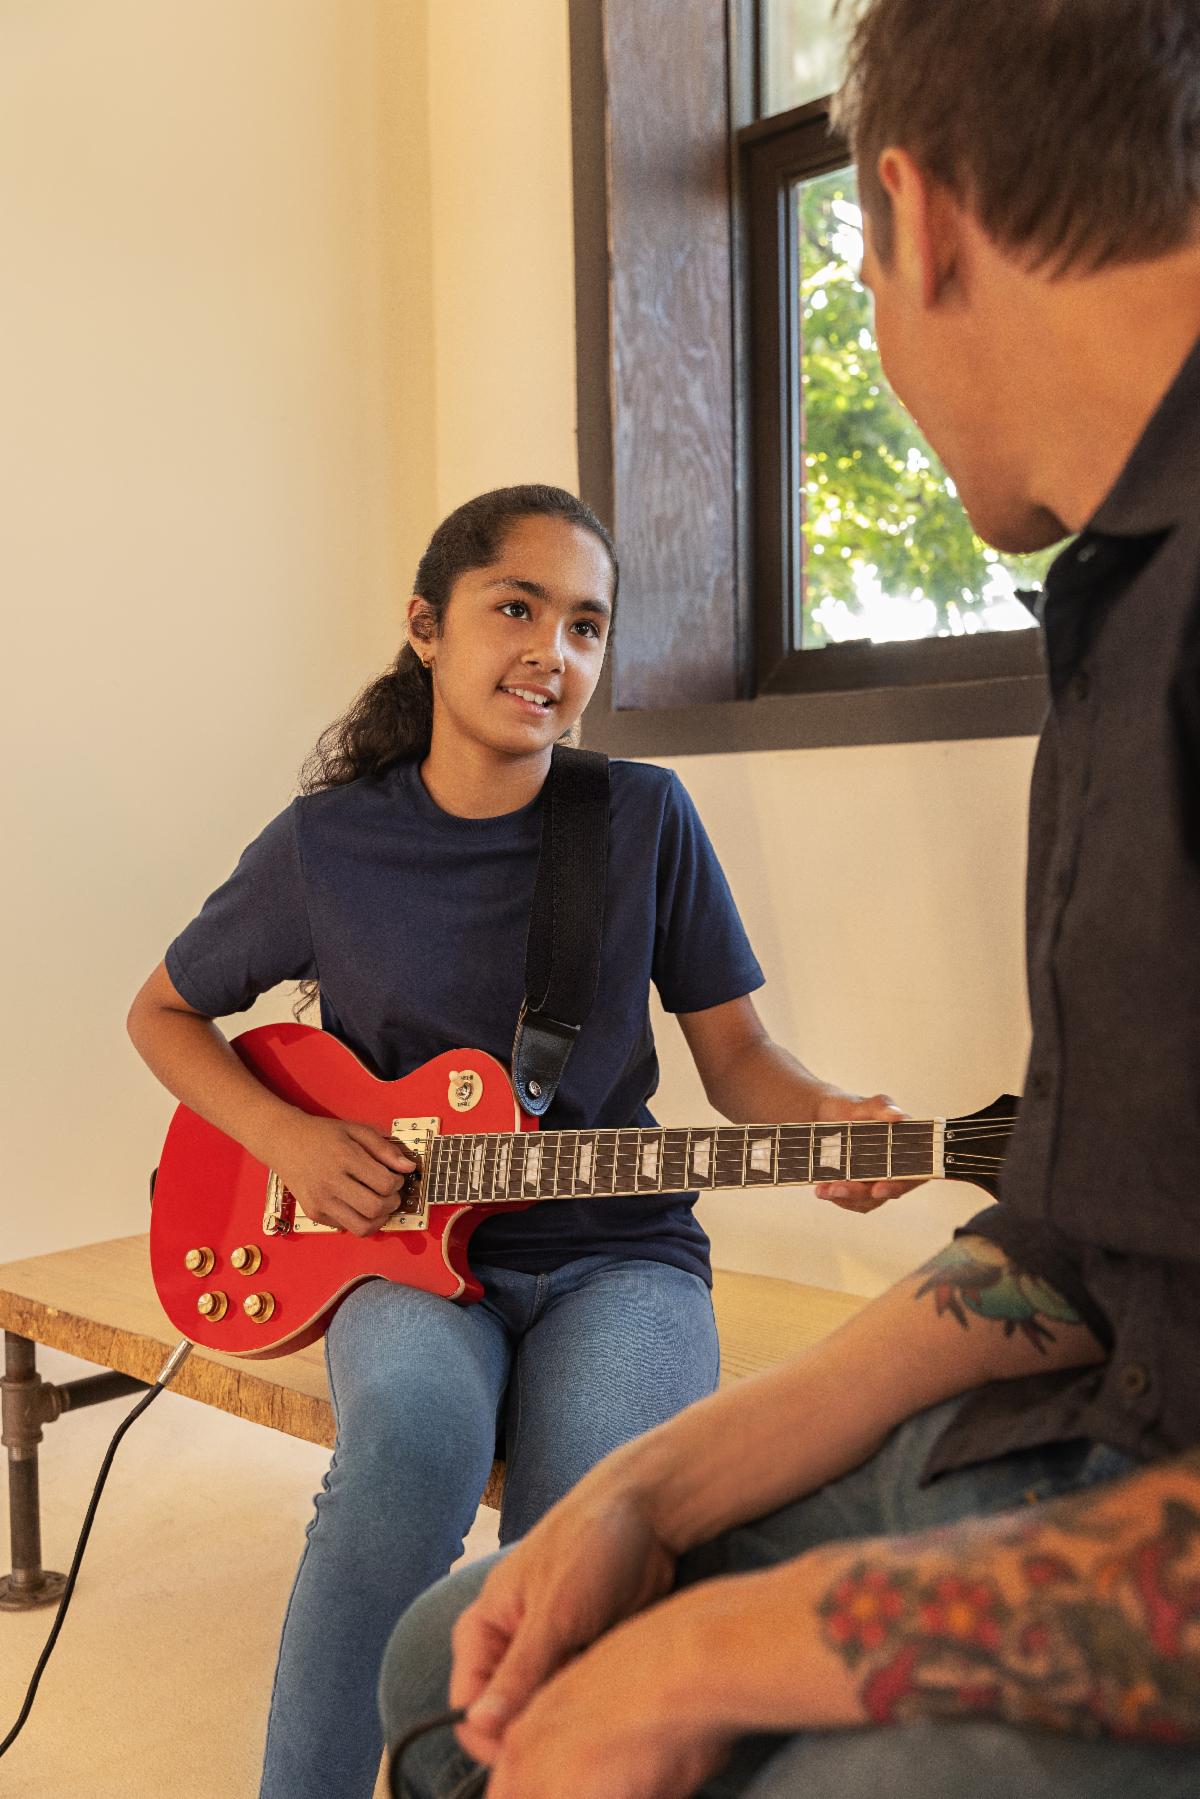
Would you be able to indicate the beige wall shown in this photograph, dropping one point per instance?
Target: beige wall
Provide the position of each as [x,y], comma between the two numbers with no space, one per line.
[281,283]
[215,376]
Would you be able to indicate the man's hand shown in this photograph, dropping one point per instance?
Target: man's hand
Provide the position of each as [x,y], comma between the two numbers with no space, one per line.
[860,1196]
[345,1175]
[625,1720]
[589,1563]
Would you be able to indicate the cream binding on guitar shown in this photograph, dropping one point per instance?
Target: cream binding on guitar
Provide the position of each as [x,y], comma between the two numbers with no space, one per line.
[239,1268]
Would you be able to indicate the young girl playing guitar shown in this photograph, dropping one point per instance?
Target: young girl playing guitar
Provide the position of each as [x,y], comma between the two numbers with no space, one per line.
[400,883]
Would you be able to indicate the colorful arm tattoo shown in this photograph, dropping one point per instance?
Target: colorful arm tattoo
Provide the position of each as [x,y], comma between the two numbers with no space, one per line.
[1084,1617]
[974,1275]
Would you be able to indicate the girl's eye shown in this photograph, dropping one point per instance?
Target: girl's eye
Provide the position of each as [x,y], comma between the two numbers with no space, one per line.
[587,626]
[515,609]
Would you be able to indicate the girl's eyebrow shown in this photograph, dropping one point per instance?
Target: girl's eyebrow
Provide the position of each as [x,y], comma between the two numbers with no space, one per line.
[538,592]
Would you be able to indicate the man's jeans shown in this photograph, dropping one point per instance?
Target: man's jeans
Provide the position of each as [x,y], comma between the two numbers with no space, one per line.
[967,1760]
[567,1365]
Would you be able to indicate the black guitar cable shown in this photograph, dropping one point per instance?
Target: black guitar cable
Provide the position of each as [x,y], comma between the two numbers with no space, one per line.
[472,1784]
[171,1367]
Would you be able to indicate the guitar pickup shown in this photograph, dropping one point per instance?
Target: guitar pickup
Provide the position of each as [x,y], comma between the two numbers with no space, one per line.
[415,1136]
[283,1217]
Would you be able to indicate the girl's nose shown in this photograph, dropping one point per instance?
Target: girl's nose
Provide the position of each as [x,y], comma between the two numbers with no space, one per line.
[546,651]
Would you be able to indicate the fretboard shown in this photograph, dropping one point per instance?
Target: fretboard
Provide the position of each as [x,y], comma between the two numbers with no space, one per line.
[507,1167]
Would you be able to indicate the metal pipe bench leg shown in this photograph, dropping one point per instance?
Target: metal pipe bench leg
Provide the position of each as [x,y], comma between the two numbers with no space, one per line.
[26,1403]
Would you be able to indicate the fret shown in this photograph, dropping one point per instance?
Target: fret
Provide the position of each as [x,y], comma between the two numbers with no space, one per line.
[829,1152]
[487,1184]
[649,1161]
[450,1173]
[433,1173]
[762,1155]
[585,1162]
[475,1167]
[551,1154]
[795,1154]
[674,1162]
[730,1156]
[869,1153]
[701,1158]
[913,1149]
[446,1171]
[531,1165]
[625,1154]
[604,1164]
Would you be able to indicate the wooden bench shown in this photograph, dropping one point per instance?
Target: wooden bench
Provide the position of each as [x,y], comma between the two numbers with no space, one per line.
[98,1303]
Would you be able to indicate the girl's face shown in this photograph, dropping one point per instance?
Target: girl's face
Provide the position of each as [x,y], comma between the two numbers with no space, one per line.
[522,640]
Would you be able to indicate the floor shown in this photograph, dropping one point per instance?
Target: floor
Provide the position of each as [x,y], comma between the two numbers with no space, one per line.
[159,1684]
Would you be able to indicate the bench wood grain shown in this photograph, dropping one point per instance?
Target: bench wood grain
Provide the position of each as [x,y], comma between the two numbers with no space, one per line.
[98,1302]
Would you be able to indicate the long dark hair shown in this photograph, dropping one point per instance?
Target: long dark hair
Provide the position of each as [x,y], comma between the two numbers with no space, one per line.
[392,718]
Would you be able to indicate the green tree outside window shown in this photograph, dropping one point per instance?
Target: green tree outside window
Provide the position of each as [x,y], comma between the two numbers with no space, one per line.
[888,550]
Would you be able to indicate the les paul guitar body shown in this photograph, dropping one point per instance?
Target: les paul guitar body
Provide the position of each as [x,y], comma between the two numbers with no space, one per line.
[239,1268]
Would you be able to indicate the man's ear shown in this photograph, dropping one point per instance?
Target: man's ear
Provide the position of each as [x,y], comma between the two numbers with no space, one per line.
[421,624]
[926,225]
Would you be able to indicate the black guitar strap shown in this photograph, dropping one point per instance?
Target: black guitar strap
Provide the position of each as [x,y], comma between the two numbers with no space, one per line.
[566,922]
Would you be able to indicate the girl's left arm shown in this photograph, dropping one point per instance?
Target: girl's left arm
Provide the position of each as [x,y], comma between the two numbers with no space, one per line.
[751,1079]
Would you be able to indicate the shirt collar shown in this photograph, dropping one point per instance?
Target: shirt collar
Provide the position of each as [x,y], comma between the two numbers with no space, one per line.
[1157,485]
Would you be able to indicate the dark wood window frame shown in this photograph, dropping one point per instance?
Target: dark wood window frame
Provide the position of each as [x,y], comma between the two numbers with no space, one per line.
[684,413]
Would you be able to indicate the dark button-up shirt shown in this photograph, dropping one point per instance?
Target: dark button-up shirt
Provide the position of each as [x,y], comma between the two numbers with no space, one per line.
[1100,1193]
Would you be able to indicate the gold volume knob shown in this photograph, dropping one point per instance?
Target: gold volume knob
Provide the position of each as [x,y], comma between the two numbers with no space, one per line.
[212,1306]
[199,1261]
[259,1306]
[247,1259]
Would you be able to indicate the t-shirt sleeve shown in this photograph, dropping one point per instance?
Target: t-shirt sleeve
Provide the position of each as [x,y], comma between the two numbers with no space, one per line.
[702,956]
[251,933]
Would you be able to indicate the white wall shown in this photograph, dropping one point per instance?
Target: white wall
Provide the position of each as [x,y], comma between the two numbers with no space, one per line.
[215,221]
[281,284]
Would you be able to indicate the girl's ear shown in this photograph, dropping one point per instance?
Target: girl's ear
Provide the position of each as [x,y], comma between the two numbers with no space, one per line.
[422,626]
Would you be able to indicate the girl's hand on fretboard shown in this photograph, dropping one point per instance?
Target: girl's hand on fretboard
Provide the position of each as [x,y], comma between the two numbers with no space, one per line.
[861,1196]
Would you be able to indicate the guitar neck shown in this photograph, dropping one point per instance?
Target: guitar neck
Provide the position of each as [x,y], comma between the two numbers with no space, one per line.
[516,1167]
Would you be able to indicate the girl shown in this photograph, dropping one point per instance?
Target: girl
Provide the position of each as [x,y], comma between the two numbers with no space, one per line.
[400,884]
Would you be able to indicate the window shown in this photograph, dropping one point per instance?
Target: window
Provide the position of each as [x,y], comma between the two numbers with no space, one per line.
[797,568]
[860,540]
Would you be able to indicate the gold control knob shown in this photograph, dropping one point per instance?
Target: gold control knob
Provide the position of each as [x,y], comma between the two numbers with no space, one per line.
[212,1306]
[259,1306]
[247,1259]
[199,1261]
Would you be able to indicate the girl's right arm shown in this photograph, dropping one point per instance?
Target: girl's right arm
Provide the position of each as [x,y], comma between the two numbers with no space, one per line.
[343,1174]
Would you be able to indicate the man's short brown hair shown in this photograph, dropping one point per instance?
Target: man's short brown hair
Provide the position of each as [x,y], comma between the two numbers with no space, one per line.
[1071,128]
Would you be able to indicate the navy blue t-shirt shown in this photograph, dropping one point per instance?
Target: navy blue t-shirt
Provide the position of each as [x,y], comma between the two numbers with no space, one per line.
[414,923]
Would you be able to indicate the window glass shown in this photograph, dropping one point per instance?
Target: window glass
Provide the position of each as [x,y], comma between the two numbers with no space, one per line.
[888,552]
[803,51]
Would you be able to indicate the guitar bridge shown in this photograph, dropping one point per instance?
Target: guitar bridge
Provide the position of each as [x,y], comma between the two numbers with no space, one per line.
[284,1217]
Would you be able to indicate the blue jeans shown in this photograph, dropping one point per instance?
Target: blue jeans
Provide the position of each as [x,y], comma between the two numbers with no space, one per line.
[561,1367]
[967,1760]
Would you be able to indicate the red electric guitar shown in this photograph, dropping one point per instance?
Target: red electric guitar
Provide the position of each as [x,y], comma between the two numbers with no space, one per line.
[238,1266]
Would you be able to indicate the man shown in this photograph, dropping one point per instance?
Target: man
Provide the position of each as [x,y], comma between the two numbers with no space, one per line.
[959,1542]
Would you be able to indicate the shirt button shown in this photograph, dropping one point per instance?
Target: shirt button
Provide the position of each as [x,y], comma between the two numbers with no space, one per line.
[1134,1380]
[1086,552]
[1039,1084]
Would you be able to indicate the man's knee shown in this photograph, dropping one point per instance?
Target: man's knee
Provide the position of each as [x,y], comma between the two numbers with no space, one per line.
[415,1676]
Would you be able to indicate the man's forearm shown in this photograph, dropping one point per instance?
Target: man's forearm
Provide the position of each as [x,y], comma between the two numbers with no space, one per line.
[784,1433]
[1080,1615]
